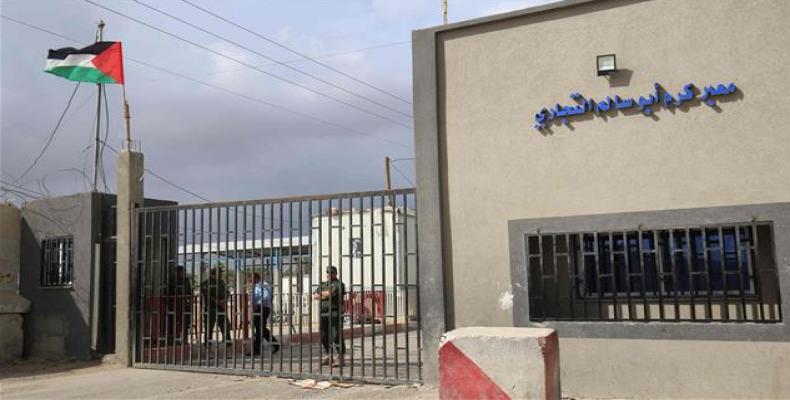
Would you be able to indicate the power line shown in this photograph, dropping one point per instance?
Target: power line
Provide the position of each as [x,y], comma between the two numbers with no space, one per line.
[340,53]
[171,183]
[42,29]
[77,110]
[298,60]
[220,88]
[60,224]
[22,188]
[236,60]
[9,175]
[276,43]
[19,195]
[177,186]
[401,174]
[51,135]
[277,106]
[278,62]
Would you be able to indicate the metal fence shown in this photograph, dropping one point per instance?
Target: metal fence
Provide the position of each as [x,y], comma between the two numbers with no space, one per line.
[197,268]
[713,273]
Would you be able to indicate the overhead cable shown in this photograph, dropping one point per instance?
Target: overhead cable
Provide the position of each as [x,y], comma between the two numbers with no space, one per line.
[278,62]
[299,60]
[23,189]
[51,135]
[273,105]
[228,91]
[169,182]
[251,66]
[306,57]
[402,174]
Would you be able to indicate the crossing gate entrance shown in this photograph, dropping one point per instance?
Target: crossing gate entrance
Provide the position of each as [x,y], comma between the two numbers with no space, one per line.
[236,287]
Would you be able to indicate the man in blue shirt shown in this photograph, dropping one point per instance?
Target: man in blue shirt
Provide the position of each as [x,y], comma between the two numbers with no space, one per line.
[261,309]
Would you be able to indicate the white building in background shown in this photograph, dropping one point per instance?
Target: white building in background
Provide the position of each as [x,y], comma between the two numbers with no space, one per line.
[275,258]
[278,260]
[374,250]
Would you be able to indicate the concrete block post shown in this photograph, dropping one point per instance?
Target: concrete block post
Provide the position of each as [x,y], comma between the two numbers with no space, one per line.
[12,305]
[130,195]
[499,363]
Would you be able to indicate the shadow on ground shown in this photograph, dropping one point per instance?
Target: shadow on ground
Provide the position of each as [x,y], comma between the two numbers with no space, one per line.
[102,381]
[34,368]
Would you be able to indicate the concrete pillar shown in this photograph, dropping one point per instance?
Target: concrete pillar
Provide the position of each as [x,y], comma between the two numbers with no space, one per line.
[130,195]
[12,305]
[499,363]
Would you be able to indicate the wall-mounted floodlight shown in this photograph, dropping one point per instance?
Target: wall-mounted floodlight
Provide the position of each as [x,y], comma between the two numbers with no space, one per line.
[607,64]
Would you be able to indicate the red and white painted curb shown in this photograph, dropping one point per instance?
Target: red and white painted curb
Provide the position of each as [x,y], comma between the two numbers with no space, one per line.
[499,363]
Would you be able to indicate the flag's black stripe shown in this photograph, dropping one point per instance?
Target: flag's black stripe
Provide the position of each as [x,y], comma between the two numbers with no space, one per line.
[96,48]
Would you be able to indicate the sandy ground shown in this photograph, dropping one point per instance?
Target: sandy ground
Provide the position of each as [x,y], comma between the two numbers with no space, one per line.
[94,380]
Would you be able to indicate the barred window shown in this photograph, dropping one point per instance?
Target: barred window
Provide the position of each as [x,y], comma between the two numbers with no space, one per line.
[679,266]
[57,261]
[711,273]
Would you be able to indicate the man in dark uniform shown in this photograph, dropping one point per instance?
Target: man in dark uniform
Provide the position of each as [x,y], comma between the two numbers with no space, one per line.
[180,301]
[214,293]
[331,293]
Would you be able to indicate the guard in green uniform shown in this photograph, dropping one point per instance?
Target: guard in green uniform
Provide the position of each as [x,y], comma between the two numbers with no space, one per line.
[214,293]
[331,293]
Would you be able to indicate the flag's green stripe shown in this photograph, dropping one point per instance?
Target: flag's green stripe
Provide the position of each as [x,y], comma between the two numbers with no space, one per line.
[81,74]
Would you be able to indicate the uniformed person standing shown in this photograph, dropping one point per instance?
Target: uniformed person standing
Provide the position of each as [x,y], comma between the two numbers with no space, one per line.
[214,293]
[331,293]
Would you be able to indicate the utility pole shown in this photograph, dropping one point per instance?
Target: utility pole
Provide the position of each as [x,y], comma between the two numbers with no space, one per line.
[99,37]
[387,165]
[444,10]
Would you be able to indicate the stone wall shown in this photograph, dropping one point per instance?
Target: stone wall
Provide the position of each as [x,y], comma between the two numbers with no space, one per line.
[12,305]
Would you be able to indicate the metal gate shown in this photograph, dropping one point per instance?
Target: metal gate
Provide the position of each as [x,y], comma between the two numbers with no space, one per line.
[212,278]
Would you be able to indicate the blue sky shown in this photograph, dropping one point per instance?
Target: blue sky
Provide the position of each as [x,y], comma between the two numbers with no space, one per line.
[223,146]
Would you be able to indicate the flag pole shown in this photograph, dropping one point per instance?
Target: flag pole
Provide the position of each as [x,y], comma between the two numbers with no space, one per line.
[96,146]
[126,117]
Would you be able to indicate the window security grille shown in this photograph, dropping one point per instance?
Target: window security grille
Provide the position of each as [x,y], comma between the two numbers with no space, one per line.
[724,273]
[57,261]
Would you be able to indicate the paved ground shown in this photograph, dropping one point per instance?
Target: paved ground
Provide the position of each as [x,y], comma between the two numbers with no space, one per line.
[371,357]
[79,380]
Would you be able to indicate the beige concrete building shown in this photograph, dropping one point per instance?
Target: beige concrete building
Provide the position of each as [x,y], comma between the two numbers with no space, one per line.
[687,201]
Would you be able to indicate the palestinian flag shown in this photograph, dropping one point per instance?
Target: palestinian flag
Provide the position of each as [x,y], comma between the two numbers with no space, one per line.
[101,62]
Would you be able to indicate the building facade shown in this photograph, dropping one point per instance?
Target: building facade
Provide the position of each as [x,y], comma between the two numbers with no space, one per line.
[67,271]
[643,213]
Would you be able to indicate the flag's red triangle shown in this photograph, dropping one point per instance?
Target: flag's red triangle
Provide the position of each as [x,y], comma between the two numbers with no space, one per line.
[110,62]
[461,378]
